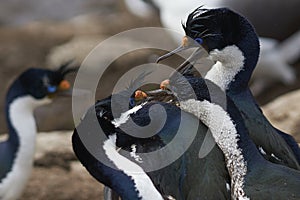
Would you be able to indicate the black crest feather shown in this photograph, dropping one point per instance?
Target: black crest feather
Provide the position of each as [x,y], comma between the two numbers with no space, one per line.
[67,68]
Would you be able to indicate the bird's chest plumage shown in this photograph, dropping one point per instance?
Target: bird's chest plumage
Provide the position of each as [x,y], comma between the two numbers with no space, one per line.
[15,180]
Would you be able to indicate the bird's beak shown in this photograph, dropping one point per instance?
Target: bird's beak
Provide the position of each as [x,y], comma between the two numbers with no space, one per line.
[64,85]
[64,89]
[140,95]
[171,53]
[187,43]
[191,60]
[151,94]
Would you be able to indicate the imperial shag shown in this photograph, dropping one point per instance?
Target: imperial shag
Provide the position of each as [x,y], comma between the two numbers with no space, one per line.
[187,177]
[233,45]
[252,177]
[275,57]
[121,174]
[33,88]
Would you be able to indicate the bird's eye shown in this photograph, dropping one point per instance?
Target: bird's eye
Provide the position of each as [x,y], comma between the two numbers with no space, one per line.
[199,40]
[132,102]
[51,88]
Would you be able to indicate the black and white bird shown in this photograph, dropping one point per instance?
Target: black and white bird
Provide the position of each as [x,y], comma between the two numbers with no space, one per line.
[33,88]
[124,176]
[187,176]
[231,42]
[276,56]
[252,177]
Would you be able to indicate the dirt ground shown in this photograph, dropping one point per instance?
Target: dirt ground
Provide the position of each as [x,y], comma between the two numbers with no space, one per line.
[57,183]
[57,175]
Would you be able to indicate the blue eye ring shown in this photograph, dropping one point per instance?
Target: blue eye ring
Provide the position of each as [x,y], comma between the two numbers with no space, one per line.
[51,89]
[132,102]
[199,40]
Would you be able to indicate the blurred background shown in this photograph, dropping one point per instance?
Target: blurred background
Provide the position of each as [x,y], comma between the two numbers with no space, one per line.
[47,33]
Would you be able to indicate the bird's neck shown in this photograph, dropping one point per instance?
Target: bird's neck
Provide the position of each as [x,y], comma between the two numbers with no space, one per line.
[21,123]
[234,67]
[13,97]
[229,62]
[20,146]
[232,143]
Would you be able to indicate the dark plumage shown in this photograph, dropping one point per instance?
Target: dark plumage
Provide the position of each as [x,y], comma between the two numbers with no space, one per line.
[31,89]
[262,179]
[232,43]
[187,177]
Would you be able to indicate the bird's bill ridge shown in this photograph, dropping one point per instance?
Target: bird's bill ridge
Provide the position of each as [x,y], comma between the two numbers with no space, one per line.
[187,43]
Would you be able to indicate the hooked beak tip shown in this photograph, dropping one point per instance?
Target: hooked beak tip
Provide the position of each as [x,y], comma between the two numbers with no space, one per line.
[159,59]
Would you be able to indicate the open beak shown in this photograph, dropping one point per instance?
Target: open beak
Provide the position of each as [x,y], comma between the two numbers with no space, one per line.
[171,53]
[188,63]
[187,43]
[158,95]
[141,95]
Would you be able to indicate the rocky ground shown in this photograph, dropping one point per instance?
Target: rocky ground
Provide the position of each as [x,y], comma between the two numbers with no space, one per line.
[57,175]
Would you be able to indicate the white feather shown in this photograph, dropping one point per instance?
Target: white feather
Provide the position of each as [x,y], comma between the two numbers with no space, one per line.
[22,119]
[143,183]
[274,63]
[125,116]
[229,62]
[226,136]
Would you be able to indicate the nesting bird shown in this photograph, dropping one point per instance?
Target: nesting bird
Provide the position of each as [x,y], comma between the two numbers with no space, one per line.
[34,87]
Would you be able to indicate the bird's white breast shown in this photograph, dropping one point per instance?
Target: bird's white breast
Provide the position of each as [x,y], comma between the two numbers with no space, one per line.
[143,183]
[22,119]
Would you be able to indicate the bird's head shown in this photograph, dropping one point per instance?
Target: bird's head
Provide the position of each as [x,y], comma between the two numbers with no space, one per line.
[40,83]
[213,30]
